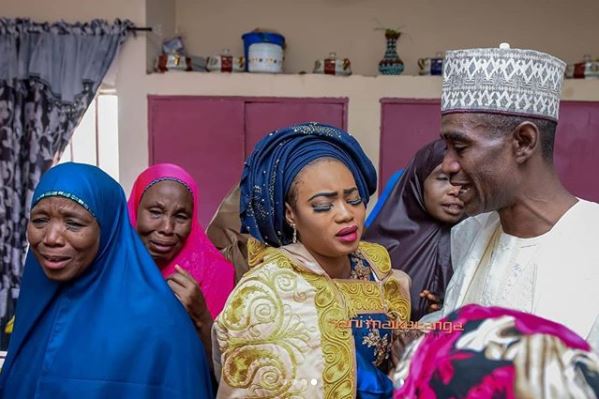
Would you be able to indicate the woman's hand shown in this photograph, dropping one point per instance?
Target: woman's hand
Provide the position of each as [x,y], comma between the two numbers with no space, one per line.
[187,290]
[434,300]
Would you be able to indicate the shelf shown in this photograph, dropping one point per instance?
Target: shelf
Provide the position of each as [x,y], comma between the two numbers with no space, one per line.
[295,85]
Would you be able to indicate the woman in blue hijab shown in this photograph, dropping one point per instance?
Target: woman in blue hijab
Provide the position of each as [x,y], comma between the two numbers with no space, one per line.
[95,318]
[315,316]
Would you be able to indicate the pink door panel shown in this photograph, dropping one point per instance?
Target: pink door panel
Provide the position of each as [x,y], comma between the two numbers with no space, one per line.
[406,125]
[212,136]
[265,115]
[576,153]
[203,135]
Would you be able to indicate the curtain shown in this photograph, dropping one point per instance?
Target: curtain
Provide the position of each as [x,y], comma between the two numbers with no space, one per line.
[49,74]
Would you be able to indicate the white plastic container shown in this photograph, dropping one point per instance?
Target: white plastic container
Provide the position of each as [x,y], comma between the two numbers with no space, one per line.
[265,57]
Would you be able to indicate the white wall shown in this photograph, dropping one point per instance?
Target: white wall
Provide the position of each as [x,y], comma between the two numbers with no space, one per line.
[568,29]
[569,35]
[160,15]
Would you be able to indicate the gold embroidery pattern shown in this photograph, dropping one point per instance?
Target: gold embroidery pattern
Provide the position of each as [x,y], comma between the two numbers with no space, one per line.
[378,257]
[361,271]
[268,342]
[361,296]
[337,343]
[397,300]
[382,345]
[262,340]
[256,251]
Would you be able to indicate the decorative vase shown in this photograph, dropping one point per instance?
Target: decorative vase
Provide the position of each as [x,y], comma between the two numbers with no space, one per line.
[391,64]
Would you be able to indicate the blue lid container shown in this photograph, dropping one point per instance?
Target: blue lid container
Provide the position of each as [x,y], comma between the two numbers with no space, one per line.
[260,37]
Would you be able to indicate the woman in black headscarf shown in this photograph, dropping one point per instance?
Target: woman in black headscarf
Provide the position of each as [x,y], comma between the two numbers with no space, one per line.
[414,226]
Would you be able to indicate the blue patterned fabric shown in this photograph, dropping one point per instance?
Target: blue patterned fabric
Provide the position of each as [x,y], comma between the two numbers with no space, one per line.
[372,342]
[275,162]
[117,331]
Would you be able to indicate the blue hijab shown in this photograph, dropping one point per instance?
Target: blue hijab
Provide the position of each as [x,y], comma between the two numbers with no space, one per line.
[275,162]
[117,331]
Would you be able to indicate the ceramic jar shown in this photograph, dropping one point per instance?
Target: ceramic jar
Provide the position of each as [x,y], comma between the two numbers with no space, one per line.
[225,62]
[333,65]
[431,66]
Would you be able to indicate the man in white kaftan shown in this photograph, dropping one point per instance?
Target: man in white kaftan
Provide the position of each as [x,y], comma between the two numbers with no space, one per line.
[530,245]
[555,275]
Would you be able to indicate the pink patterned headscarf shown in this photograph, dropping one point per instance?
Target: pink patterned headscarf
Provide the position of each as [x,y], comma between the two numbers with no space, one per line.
[198,256]
[490,352]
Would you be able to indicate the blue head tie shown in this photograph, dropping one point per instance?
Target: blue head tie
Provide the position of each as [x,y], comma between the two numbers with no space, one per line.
[277,159]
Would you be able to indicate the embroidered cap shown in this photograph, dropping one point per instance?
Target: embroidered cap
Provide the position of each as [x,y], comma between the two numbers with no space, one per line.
[502,80]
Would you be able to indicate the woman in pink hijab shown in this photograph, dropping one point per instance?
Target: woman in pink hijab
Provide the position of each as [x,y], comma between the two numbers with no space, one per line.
[163,208]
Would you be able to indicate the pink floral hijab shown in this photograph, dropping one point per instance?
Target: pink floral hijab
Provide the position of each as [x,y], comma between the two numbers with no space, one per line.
[481,352]
[198,256]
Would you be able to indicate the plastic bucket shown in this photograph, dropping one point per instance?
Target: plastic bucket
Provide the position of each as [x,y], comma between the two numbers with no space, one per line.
[264,52]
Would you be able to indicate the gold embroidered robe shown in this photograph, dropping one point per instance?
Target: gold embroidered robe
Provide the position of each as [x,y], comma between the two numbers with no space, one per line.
[283,332]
